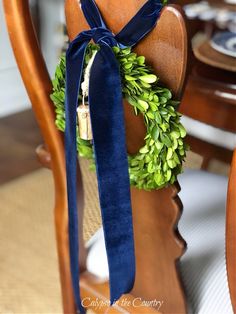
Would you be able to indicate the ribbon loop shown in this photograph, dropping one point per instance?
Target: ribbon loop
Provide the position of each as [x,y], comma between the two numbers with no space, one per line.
[107,119]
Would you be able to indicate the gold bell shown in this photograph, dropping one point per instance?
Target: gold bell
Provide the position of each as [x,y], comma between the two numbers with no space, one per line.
[84,122]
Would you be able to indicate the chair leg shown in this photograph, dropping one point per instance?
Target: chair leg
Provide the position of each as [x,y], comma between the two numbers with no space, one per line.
[205,163]
[62,239]
[61,228]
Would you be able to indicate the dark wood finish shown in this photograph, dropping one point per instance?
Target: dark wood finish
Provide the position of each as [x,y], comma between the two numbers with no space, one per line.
[209,151]
[221,4]
[210,97]
[157,250]
[205,53]
[231,233]
[210,91]
[162,42]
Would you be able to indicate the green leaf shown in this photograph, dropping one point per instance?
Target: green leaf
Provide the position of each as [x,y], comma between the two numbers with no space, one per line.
[171,163]
[146,85]
[141,60]
[130,78]
[150,115]
[149,78]
[165,167]
[156,98]
[153,105]
[150,167]
[175,134]
[158,177]
[126,51]
[143,104]
[128,66]
[158,118]
[168,175]
[116,49]
[155,133]
[182,130]
[165,139]
[169,153]
[175,143]
[144,150]
[163,100]
[159,145]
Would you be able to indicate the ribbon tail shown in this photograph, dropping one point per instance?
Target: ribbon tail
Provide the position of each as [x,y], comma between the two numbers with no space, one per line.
[74,68]
[107,117]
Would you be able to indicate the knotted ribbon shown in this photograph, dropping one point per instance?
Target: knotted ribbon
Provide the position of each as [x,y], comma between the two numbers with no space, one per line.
[107,119]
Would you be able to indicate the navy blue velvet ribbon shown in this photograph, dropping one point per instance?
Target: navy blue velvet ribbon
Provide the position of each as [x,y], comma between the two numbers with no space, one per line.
[107,118]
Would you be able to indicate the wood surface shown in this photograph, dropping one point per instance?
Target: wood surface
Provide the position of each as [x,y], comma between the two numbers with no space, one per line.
[210,97]
[221,4]
[95,294]
[231,233]
[205,53]
[155,213]
[38,84]
[209,151]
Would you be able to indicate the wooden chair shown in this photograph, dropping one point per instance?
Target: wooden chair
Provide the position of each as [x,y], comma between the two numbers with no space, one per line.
[211,93]
[159,203]
[158,244]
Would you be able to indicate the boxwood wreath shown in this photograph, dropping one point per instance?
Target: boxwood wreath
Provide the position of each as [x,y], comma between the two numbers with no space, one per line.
[159,161]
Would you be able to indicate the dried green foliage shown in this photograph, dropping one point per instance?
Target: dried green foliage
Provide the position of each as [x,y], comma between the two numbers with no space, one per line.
[159,161]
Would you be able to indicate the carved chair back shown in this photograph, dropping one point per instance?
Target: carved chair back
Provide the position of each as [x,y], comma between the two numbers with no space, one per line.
[155,214]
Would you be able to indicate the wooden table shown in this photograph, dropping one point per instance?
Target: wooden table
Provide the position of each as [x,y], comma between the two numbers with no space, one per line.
[221,4]
[206,54]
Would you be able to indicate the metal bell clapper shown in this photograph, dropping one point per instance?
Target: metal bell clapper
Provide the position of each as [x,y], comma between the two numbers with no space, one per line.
[84,122]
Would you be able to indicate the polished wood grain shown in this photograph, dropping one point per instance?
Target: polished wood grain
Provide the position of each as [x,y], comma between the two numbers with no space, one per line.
[231,233]
[95,294]
[210,97]
[38,85]
[205,53]
[209,151]
[156,213]
[158,245]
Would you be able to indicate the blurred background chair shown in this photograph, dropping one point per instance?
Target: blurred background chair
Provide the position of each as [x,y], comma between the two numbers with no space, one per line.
[210,94]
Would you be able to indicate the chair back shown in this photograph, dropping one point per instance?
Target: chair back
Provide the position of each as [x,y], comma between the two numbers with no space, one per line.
[155,214]
[157,242]
[156,47]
